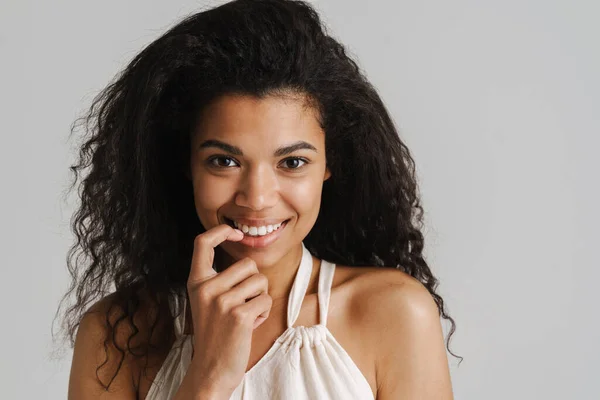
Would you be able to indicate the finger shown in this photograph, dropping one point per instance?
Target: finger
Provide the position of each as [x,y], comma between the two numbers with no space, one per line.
[258,321]
[248,289]
[234,275]
[259,306]
[204,251]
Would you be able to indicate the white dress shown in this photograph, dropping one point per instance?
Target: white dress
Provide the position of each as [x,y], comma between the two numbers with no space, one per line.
[305,362]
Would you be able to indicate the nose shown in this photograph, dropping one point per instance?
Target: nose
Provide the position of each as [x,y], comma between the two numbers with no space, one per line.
[258,189]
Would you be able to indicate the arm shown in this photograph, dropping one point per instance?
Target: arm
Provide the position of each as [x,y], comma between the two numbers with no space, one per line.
[411,360]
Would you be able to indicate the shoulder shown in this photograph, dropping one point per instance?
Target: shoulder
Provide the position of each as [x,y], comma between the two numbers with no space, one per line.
[98,359]
[400,321]
[103,354]
[378,292]
[108,316]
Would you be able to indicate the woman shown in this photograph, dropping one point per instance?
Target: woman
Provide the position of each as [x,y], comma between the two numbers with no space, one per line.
[251,202]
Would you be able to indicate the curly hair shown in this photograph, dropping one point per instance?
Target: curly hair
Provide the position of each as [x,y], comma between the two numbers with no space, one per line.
[136,224]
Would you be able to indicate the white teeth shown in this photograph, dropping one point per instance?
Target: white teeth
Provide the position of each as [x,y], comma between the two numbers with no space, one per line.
[257,230]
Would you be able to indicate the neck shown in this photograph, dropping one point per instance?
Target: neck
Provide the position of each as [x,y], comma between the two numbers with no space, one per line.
[280,276]
[280,273]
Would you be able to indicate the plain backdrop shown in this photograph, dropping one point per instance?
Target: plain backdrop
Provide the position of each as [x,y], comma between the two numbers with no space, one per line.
[498,100]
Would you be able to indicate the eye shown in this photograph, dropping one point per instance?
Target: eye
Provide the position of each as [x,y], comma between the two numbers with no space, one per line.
[220,161]
[292,162]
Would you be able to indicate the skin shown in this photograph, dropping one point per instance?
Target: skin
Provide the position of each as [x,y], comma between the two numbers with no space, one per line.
[401,356]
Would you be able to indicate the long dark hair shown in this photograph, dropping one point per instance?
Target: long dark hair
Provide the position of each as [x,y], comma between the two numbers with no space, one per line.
[137,222]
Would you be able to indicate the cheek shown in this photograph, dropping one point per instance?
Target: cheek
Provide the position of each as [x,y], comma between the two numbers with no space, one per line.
[304,195]
[210,194]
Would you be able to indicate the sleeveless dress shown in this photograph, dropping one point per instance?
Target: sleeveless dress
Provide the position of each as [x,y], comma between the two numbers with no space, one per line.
[305,362]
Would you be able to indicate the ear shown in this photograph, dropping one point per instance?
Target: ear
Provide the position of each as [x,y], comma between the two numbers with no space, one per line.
[327,174]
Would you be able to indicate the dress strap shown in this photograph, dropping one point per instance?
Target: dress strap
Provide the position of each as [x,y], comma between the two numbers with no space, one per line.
[325,281]
[299,287]
[178,305]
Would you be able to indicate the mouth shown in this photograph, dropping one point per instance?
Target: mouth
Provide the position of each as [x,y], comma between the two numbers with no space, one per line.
[256,231]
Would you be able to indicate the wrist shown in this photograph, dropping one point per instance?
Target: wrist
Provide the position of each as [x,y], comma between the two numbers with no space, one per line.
[206,388]
[211,394]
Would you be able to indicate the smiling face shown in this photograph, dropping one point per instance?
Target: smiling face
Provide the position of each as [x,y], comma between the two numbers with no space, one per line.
[259,162]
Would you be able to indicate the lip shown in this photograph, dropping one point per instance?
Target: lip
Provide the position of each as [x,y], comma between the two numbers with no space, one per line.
[257,222]
[263,241]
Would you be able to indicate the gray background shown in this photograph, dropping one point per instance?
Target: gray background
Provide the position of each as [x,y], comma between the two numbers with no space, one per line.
[498,101]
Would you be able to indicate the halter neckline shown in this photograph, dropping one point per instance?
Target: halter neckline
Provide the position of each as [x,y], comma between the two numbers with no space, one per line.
[295,297]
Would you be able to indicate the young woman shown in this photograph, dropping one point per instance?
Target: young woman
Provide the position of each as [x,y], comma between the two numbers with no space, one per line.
[250,200]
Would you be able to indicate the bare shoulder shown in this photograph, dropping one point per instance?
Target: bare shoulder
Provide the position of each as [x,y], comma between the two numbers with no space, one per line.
[376,293]
[102,354]
[400,320]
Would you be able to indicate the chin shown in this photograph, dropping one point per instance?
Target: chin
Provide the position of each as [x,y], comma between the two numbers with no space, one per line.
[264,257]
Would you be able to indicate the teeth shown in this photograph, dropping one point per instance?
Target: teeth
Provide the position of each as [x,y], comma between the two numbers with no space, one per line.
[257,230]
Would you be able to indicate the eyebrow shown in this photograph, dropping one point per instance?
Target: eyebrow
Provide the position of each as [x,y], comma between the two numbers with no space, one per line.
[282,151]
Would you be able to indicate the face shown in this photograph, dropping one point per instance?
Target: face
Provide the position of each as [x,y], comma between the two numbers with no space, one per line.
[259,163]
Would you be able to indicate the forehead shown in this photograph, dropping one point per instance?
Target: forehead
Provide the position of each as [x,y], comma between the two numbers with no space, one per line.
[269,121]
